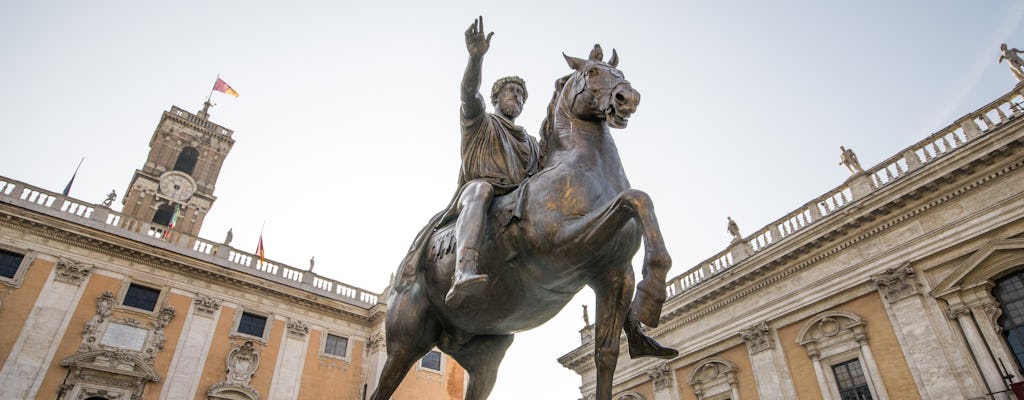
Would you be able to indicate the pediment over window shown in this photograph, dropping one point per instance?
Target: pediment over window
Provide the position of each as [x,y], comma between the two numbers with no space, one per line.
[630,396]
[994,259]
[126,363]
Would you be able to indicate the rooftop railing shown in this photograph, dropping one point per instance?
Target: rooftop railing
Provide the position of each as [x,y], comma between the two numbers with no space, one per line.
[70,209]
[934,147]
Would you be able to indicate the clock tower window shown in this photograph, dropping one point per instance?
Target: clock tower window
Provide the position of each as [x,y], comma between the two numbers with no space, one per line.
[163,215]
[187,160]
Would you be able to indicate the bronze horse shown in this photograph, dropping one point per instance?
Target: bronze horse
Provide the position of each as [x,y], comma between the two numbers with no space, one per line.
[580,224]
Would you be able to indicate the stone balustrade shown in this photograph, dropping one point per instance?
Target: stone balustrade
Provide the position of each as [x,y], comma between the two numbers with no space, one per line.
[98,216]
[931,148]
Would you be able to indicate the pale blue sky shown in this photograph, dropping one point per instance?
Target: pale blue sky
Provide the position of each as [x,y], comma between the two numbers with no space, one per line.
[347,124]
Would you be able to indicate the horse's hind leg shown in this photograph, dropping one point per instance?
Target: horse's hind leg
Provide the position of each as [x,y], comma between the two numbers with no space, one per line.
[481,357]
[613,291]
[411,333]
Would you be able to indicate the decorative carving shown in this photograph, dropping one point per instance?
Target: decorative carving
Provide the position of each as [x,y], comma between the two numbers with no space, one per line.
[758,337]
[661,376]
[297,328]
[90,334]
[375,343]
[242,362]
[206,305]
[70,271]
[712,376]
[957,311]
[896,283]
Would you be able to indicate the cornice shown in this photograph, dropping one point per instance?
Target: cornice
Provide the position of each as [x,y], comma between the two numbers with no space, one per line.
[800,256]
[74,235]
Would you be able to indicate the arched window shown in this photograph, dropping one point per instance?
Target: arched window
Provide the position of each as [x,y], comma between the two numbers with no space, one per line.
[187,160]
[163,215]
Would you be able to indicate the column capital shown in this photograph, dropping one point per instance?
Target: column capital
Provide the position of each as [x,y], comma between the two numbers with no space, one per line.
[661,375]
[896,283]
[758,337]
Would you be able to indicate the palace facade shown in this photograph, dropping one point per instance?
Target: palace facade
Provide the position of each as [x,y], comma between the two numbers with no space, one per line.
[904,282]
[103,305]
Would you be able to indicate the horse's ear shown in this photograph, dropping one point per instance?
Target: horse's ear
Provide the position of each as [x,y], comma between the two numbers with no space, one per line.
[614,61]
[574,63]
[596,54]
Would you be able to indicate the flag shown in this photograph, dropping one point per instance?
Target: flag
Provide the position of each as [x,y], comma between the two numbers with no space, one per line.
[174,218]
[223,87]
[259,248]
[67,188]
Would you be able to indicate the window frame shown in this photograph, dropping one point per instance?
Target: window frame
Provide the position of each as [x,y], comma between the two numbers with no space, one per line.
[864,373]
[441,357]
[27,258]
[122,292]
[347,357]
[266,328]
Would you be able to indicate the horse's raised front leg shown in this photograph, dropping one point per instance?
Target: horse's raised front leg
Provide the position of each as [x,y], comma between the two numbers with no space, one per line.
[613,291]
[411,333]
[596,229]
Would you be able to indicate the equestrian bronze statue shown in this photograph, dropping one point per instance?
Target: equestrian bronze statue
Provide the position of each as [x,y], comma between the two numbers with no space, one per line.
[575,221]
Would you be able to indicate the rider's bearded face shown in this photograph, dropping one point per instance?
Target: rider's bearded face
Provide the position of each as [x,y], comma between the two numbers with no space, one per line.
[510,100]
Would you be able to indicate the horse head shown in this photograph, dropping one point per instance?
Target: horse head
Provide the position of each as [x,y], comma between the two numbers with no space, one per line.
[598,91]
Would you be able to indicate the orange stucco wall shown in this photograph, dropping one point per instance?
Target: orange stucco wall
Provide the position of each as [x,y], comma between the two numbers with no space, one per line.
[215,369]
[428,385]
[72,339]
[18,303]
[645,389]
[329,377]
[172,332]
[744,375]
[896,376]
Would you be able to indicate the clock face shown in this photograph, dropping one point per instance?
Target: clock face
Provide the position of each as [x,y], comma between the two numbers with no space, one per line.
[177,186]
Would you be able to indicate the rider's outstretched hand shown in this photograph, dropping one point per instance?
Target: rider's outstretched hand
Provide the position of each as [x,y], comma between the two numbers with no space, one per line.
[476,42]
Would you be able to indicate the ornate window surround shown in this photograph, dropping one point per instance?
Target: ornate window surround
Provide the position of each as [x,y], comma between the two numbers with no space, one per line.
[835,337]
[323,346]
[630,395]
[244,336]
[713,379]
[27,257]
[123,291]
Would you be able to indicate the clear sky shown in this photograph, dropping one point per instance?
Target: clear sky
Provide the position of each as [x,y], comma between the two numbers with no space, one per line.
[347,126]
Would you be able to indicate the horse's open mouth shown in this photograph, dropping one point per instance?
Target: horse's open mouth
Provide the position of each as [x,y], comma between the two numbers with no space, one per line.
[615,120]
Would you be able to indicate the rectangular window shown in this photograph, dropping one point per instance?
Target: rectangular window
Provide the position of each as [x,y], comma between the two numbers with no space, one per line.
[141,297]
[336,346]
[432,360]
[252,324]
[9,263]
[853,385]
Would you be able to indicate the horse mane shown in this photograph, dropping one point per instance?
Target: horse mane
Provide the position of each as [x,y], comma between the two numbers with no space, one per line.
[548,137]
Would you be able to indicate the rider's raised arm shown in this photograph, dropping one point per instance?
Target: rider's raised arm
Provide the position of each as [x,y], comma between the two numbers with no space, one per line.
[477,44]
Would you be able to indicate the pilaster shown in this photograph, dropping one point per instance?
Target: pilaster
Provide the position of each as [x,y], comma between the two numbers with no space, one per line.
[187,364]
[770,372]
[290,361]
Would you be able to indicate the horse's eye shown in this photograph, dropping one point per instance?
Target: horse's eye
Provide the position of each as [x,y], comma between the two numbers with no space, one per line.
[593,72]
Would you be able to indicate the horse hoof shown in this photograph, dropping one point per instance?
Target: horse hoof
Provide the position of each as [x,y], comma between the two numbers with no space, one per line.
[465,288]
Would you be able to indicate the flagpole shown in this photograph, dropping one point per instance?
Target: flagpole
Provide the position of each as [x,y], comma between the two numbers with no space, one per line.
[67,189]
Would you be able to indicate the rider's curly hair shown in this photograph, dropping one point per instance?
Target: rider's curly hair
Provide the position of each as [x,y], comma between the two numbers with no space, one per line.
[504,81]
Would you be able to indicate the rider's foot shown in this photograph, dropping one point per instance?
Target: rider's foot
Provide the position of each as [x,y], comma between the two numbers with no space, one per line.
[466,286]
[641,345]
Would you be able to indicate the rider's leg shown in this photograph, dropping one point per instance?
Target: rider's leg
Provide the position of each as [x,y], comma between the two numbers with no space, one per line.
[469,231]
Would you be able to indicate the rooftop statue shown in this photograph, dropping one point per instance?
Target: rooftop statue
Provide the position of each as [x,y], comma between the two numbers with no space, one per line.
[848,159]
[1011,57]
[533,224]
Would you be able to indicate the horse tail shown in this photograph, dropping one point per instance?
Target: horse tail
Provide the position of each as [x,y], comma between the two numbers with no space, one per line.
[548,136]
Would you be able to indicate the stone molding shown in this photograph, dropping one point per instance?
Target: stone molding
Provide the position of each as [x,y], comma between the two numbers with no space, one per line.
[206,305]
[713,376]
[376,343]
[71,271]
[896,284]
[758,337]
[661,375]
[297,328]
[242,363]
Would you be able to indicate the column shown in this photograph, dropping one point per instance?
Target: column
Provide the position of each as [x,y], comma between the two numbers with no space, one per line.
[819,372]
[664,382]
[976,344]
[868,362]
[373,362]
[36,344]
[770,372]
[189,358]
[930,362]
[290,361]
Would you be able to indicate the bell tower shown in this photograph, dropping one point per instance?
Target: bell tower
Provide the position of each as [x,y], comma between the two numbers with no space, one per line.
[175,186]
